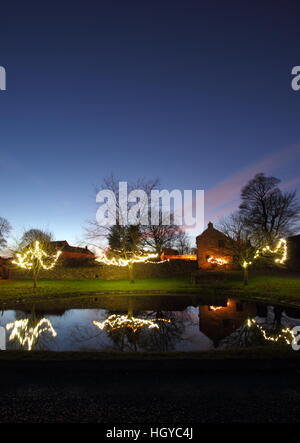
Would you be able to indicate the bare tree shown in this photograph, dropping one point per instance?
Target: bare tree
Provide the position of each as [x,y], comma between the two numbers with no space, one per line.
[159,237]
[124,242]
[96,232]
[182,242]
[267,211]
[164,233]
[238,242]
[124,239]
[27,242]
[5,229]
[42,236]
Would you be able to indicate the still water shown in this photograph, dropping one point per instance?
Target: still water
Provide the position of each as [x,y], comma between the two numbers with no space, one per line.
[149,324]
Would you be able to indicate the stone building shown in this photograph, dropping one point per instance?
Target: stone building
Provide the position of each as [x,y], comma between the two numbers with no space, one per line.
[213,249]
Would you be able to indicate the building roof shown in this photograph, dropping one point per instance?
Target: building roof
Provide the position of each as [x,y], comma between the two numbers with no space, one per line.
[64,246]
[210,228]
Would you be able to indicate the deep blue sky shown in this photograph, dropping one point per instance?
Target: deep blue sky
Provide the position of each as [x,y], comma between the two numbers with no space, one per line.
[196,93]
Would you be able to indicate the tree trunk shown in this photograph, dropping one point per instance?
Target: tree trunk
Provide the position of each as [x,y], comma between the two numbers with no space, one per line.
[130,272]
[130,308]
[246,276]
[35,276]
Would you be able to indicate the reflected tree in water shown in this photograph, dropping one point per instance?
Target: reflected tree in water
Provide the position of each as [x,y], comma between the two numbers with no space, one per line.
[167,335]
[32,332]
[133,332]
[260,331]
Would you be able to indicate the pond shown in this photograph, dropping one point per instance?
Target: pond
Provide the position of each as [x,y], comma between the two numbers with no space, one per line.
[148,324]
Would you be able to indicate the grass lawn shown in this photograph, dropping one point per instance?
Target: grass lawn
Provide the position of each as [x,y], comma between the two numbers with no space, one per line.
[12,288]
[283,288]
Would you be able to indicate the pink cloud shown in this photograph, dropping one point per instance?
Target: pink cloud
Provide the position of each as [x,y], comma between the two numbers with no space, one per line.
[224,197]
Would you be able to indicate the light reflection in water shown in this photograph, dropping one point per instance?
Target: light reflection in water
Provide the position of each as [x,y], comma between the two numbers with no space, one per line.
[216,308]
[127,321]
[149,324]
[285,334]
[27,331]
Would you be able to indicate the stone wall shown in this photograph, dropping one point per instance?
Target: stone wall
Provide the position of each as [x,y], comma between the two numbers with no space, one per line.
[104,272]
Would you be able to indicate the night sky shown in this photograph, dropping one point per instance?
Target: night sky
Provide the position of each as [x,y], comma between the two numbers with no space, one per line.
[195,93]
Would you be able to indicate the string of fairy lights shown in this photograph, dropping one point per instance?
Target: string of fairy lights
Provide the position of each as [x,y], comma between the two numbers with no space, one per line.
[281,245]
[285,334]
[26,260]
[217,261]
[26,334]
[114,322]
[136,258]
[217,308]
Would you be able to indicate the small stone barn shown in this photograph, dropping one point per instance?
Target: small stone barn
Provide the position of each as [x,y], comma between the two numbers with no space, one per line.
[213,249]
